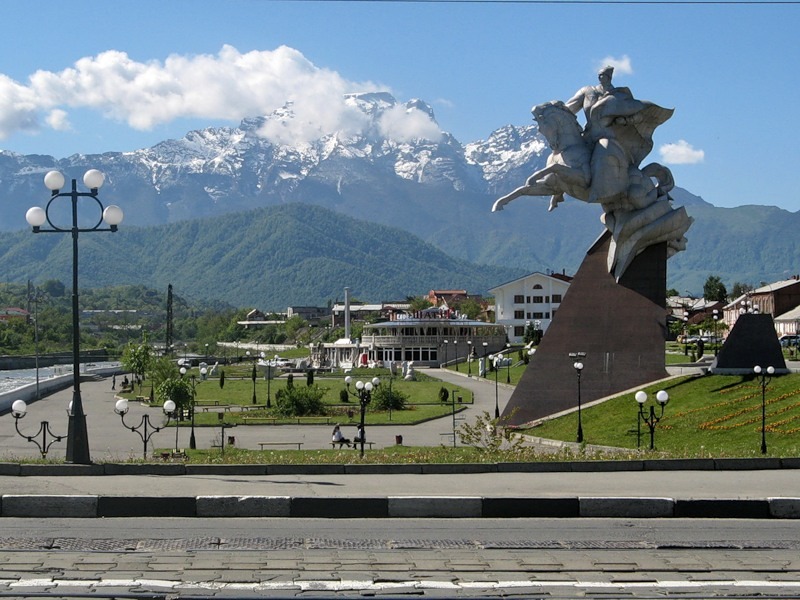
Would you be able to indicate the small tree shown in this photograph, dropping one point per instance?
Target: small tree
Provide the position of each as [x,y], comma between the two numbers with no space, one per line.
[485,434]
[385,398]
[221,379]
[310,377]
[290,381]
[177,390]
[444,395]
[301,401]
[344,397]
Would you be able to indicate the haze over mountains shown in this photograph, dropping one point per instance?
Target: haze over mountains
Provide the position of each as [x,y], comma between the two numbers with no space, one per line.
[198,190]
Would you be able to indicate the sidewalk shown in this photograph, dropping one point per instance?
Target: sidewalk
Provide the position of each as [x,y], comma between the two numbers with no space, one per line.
[756,488]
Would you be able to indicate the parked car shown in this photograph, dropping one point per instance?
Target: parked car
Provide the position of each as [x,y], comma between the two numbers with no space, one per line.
[789,340]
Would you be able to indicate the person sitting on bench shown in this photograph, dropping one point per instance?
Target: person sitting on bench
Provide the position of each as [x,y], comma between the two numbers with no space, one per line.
[338,438]
[360,436]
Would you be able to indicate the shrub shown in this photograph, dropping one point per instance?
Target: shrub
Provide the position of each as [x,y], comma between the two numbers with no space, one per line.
[385,398]
[344,397]
[299,402]
[444,395]
[310,377]
[177,390]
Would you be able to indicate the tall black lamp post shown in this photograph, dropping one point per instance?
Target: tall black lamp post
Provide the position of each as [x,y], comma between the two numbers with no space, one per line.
[364,394]
[470,354]
[578,366]
[18,410]
[121,408]
[764,375]
[495,358]
[508,362]
[455,352]
[77,435]
[716,338]
[446,348]
[652,419]
[193,381]
[253,376]
[485,364]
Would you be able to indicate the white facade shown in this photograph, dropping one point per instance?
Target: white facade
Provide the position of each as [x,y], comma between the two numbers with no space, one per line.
[532,299]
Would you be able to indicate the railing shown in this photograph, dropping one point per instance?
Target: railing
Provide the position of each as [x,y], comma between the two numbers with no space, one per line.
[430,341]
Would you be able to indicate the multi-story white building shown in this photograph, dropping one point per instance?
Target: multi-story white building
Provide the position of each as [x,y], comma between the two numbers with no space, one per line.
[532,299]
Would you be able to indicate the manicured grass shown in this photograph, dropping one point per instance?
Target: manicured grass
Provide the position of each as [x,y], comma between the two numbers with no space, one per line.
[389,455]
[710,415]
[423,400]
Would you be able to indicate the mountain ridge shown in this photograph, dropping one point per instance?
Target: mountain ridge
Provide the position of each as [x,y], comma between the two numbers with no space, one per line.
[436,189]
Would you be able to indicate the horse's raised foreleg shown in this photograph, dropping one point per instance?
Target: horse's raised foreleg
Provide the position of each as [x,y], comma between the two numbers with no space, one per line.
[539,188]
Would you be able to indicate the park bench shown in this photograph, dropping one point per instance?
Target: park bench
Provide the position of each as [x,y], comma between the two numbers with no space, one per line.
[247,419]
[356,445]
[298,444]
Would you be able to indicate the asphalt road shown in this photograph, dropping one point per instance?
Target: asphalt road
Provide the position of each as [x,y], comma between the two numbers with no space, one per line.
[247,558]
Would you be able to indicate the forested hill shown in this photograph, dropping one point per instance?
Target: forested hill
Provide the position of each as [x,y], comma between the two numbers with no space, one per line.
[292,254]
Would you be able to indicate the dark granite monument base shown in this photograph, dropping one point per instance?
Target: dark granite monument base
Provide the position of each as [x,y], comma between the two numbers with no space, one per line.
[751,342]
[620,326]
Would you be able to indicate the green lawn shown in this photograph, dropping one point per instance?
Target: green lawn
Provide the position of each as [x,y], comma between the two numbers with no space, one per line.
[710,415]
[423,399]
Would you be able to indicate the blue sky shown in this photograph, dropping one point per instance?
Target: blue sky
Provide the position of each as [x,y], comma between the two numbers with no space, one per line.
[93,76]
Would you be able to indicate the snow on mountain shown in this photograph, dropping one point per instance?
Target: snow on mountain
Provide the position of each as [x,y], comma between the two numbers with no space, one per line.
[223,169]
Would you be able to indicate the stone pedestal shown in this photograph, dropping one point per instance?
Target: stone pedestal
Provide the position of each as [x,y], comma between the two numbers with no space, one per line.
[620,326]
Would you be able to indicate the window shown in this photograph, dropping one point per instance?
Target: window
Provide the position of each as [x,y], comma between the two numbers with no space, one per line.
[519,299]
[519,331]
[519,314]
[538,299]
[556,298]
[528,298]
[538,286]
[538,315]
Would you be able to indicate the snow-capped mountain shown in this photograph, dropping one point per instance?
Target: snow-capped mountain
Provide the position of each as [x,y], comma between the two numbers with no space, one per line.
[218,170]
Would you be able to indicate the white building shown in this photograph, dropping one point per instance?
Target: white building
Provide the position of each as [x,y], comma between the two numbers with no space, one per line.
[531,299]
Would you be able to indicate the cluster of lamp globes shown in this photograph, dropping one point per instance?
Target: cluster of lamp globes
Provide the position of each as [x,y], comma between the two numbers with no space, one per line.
[92,179]
[360,385]
[19,409]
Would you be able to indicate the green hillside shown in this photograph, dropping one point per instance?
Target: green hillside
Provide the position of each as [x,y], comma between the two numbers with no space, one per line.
[270,258]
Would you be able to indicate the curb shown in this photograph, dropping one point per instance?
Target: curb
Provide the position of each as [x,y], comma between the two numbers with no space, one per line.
[577,466]
[43,506]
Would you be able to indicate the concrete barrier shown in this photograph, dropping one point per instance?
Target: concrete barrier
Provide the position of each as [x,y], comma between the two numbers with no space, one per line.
[244,506]
[627,508]
[435,506]
[784,508]
[49,506]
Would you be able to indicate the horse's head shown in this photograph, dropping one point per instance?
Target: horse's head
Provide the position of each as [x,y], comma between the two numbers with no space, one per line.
[556,123]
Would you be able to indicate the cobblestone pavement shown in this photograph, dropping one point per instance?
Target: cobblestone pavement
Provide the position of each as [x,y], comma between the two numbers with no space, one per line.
[309,567]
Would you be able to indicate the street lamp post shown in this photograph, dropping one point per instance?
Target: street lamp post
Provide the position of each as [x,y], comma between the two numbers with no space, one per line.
[716,339]
[470,350]
[508,363]
[455,352]
[18,410]
[364,394]
[446,348]
[193,381]
[121,408]
[764,375]
[641,397]
[494,359]
[253,376]
[686,334]
[485,366]
[578,366]
[77,434]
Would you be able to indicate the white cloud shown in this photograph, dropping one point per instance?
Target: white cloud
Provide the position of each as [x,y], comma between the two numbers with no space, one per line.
[622,66]
[681,153]
[58,120]
[403,125]
[229,85]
